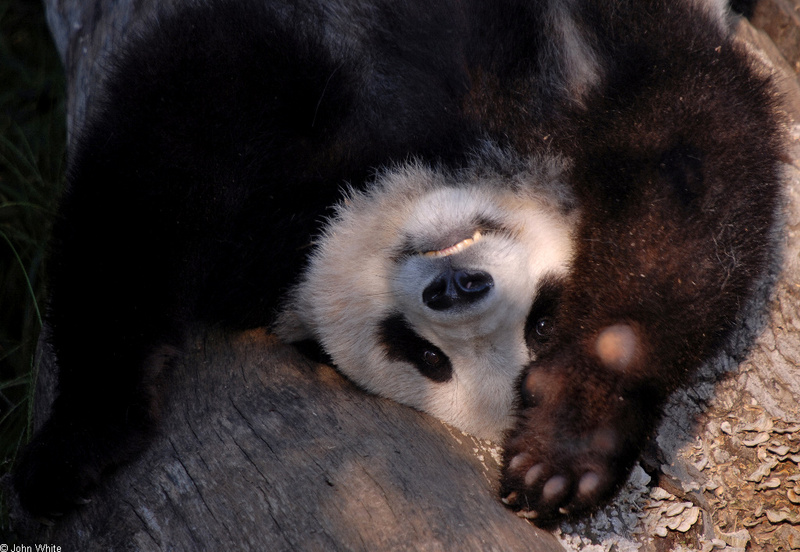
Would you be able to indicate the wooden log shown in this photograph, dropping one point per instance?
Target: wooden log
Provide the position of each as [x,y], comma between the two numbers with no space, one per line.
[262,449]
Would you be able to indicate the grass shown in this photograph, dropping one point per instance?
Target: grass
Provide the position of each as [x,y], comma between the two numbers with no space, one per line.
[32,152]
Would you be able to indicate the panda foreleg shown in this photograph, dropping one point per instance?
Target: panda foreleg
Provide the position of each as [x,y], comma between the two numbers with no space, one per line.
[581,428]
[114,321]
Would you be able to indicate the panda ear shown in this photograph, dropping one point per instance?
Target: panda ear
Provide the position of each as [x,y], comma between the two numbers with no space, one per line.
[682,167]
[290,326]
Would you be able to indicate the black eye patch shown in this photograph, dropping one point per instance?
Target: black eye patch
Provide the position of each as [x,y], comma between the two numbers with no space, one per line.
[403,344]
[540,324]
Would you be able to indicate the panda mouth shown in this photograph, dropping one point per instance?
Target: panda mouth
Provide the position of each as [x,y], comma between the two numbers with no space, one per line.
[455,248]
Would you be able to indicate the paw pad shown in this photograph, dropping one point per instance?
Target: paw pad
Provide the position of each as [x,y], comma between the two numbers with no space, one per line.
[617,346]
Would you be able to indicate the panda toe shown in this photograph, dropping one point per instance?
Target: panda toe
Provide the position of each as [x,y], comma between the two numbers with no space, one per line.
[549,478]
[548,496]
[588,486]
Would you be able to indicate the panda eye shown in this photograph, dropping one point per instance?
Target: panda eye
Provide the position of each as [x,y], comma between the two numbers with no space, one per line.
[541,323]
[402,343]
[545,326]
[431,358]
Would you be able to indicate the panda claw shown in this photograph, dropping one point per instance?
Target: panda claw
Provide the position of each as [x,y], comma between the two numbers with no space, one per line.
[528,514]
[47,521]
[50,518]
[510,499]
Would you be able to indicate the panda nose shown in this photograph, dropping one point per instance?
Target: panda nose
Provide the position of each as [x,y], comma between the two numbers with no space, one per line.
[455,288]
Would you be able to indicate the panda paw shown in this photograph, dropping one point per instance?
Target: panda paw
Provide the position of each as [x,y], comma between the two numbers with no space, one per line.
[54,476]
[577,437]
[61,466]
[547,480]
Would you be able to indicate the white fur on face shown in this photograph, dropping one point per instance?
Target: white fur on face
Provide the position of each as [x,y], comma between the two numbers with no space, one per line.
[371,263]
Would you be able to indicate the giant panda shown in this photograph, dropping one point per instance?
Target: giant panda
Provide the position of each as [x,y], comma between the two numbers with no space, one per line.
[533,220]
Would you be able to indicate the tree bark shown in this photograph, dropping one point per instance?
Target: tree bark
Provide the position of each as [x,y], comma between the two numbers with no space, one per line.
[262,449]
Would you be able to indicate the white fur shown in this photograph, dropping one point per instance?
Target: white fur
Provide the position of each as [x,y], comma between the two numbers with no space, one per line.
[719,11]
[571,49]
[357,277]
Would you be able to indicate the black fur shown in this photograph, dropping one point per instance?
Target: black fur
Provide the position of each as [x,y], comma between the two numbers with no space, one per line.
[403,343]
[193,196]
[744,7]
[676,165]
[229,128]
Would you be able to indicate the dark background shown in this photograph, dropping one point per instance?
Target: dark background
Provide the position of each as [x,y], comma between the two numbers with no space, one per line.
[32,149]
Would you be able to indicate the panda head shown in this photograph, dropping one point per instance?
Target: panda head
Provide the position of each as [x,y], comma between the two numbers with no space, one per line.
[429,287]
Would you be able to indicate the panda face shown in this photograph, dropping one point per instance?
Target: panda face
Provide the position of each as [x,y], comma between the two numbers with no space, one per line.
[423,288]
